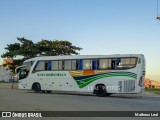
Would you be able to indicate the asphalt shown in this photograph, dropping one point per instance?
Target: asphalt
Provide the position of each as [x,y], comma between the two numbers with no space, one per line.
[24,100]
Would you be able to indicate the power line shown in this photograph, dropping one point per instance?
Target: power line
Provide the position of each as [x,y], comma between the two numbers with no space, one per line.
[158,17]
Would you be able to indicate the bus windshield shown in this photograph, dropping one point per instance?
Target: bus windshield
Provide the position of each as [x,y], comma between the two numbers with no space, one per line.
[24,70]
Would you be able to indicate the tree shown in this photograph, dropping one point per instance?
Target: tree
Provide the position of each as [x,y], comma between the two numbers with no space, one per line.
[25,48]
[64,48]
[153,86]
[28,49]
[51,48]
[12,50]
[44,47]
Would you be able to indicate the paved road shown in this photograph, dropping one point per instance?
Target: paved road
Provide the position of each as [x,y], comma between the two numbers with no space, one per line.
[22,100]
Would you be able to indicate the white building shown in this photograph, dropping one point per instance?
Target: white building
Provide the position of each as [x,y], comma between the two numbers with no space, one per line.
[4,74]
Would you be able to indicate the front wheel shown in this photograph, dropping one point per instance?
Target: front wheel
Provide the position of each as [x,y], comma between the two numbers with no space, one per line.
[48,91]
[37,88]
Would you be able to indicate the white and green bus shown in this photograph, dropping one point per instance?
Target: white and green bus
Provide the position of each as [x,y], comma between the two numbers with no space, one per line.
[102,75]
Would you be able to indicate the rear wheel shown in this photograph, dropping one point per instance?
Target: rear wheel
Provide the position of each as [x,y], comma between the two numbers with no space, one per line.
[100,91]
[37,88]
[108,94]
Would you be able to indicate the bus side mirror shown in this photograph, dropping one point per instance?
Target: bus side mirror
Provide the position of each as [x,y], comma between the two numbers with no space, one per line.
[17,69]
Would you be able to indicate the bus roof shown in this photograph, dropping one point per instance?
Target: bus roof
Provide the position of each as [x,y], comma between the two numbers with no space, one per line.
[82,57]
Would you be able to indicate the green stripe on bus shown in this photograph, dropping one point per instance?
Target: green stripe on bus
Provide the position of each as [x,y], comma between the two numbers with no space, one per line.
[84,82]
[134,76]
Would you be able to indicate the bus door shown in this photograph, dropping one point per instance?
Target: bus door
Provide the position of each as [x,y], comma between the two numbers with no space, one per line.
[113,64]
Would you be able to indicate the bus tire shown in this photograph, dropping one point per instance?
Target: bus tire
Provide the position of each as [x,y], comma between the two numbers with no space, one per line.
[48,91]
[108,94]
[37,88]
[100,90]
[43,91]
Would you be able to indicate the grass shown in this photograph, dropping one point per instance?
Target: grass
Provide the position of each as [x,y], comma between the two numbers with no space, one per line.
[153,90]
[3,82]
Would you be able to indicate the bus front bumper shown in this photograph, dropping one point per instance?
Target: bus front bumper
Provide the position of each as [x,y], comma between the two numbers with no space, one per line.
[23,86]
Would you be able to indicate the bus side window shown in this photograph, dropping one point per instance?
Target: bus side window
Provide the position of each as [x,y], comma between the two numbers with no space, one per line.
[97,64]
[40,65]
[49,65]
[133,62]
[118,61]
[81,64]
[118,64]
[127,63]
[73,65]
[45,65]
[67,65]
[105,64]
[113,64]
[77,64]
[54,65]
[94,64]
[61,65]
[87,64]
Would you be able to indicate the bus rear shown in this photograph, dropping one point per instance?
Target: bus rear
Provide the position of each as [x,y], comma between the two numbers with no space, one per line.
[141,70]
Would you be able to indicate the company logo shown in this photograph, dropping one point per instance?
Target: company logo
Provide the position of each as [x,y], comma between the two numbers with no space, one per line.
[6,114]
[21,114]
[51,74]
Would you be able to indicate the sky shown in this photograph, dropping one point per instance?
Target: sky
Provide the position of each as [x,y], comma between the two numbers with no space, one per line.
[100,27]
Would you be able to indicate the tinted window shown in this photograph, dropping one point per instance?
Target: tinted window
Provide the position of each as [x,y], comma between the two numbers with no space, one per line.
[87,64]
[94,64]
[67,65]
[126,63]
[49,65]
[74,65]
[28,64]
[40,65]
[60,65]
[54,65]
[105,64]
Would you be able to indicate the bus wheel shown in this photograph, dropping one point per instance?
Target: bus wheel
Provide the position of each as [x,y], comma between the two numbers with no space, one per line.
[100,90]
[48,91]
[108,94]
[43,91]
[37,88]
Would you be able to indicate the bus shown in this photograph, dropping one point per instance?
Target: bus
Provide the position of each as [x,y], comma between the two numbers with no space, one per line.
[102,75]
